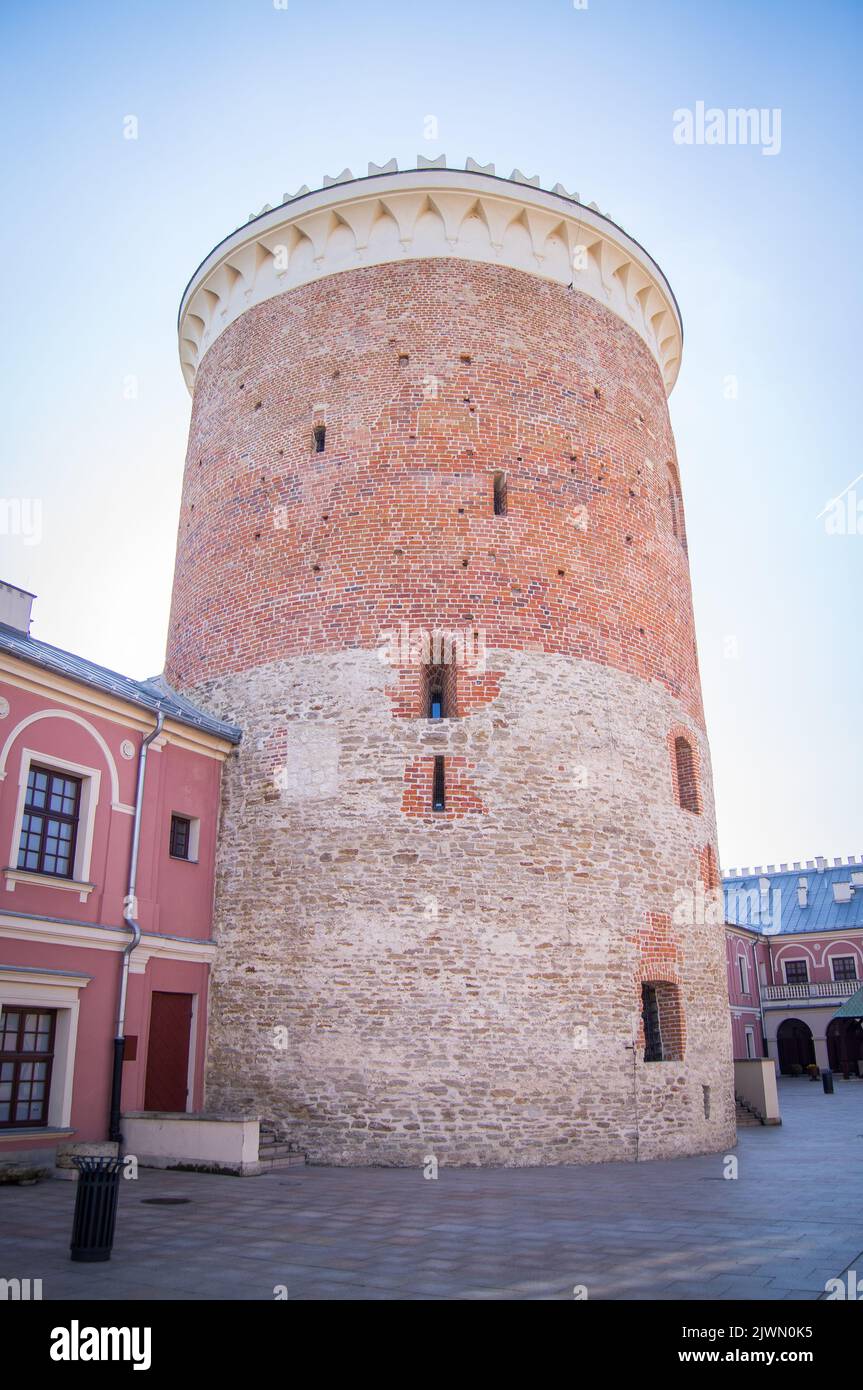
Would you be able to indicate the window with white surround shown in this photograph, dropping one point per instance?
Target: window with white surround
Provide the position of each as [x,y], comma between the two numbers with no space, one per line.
[844,967]
[743,968]
[184,838]
[750,1043]
[796,972]
[39,1015]
[49,827]
[52,834]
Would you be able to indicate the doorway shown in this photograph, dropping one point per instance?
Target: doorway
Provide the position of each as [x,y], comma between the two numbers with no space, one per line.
[794,1041]
[167,1081]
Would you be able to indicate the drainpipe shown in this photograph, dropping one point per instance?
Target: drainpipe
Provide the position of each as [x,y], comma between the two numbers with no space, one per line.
[129,908]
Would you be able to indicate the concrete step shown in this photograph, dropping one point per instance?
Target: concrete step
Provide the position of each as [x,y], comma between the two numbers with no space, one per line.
[280,1150]
[290,1160]
[745,1116]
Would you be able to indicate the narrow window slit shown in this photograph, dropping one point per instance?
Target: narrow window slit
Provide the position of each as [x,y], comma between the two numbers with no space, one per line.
[500,494]
[438,786]
[320,434]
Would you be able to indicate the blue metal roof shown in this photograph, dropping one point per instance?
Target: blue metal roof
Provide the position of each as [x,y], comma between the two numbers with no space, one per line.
[153,694]
[766,900]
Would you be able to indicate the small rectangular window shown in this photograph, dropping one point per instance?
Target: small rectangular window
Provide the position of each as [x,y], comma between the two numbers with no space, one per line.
[438,787]
[750,1042]
[796,972]
[320,433]
[500,494]
[744,974]
[181,837]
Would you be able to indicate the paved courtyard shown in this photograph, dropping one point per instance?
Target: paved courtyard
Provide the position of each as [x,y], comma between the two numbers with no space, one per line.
[671,1230]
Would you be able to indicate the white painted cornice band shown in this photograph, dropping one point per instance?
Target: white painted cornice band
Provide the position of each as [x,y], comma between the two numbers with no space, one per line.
[422,213]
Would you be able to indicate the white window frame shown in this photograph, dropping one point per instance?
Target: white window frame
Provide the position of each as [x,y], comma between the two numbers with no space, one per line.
[796,960]
[743,972]
[89,799]
[749,1035]
[35,990]
[845,955]
[194,838]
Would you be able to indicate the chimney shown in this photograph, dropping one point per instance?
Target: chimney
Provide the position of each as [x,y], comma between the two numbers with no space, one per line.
[802,891]
[15,606]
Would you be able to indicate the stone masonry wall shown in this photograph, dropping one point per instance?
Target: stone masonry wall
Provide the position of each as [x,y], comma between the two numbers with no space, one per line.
[394,981]
[467,987]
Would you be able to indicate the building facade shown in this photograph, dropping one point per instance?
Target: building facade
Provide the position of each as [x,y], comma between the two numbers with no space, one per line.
[432,558]
[795,957]
[71,741]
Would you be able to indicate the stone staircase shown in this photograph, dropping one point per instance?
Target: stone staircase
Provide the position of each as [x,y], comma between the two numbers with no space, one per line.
[746,1113]
[276,1150]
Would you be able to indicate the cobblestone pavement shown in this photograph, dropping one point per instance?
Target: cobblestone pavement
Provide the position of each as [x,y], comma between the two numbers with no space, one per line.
[673,1229]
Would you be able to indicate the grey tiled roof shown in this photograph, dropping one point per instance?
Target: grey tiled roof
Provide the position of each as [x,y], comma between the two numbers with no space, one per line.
[782,912]
[153,694]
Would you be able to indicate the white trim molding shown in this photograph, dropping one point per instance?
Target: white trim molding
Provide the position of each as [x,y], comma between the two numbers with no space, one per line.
[57,990]
[76,719]
[91,777]
[50,932]
[424,213]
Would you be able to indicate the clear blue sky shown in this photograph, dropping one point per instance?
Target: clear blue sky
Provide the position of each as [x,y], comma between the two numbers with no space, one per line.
[238,102]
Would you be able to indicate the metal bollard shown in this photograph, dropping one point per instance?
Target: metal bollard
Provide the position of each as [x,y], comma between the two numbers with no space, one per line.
[95,1208]
[827,1079]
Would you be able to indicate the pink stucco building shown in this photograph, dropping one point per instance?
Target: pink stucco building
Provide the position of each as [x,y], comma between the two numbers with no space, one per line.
[795,958]
[109,803]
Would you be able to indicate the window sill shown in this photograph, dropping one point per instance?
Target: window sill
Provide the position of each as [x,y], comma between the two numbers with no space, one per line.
[181,859]
[69,885]
[35,1132]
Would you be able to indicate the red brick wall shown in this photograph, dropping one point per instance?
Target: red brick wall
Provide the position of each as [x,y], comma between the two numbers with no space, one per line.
[283,550]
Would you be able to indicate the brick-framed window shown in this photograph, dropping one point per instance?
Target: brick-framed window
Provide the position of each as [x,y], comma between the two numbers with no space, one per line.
[499,501]
[675,507]
[796,972]
[438,690]
[49,826]
[686,776]
[844,967]
[662,1020]
[438,786]
[26,1057]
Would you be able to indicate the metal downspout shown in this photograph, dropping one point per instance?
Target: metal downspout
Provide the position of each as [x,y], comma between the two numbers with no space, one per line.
[130,908]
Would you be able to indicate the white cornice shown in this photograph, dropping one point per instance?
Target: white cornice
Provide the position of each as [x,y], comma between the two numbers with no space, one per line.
[76,695]
[424,213]
[50,932]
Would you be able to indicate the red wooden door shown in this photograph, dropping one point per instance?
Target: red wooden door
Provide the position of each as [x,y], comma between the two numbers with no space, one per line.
[168,1052]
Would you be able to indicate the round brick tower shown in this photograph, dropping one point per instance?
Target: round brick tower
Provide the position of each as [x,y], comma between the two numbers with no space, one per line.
[432,559]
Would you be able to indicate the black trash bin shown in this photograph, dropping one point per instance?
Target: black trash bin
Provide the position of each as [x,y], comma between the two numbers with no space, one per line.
[827,1080]
[95,1208]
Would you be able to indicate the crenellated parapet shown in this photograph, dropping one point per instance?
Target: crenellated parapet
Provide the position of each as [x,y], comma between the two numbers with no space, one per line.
[431,211]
